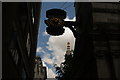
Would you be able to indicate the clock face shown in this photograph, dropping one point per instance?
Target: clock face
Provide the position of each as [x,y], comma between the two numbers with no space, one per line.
[55,22]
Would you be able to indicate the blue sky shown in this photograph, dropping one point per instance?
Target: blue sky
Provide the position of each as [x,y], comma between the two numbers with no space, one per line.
[51,49]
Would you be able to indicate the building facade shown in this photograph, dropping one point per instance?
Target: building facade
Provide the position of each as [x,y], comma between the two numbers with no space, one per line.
[40,72]
[19,39]
[106,25]
[97,49]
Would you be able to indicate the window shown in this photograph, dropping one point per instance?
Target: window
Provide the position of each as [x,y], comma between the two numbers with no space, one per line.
[32,16]
[23,73]
[15,55]
[14,48]
[28,44]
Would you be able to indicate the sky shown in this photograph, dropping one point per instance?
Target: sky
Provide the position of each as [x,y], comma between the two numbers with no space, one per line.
[52,49]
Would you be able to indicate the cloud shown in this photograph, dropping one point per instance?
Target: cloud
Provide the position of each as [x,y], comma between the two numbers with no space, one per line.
[67,19]
[47,60]
[51,74]
[40,49]
[44,64]
[45,33]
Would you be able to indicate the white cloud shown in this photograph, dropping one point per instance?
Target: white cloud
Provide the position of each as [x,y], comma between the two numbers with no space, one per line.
[67,19]
[45,33]
[44,63]
[50,74]
[47,60]
[40,49]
